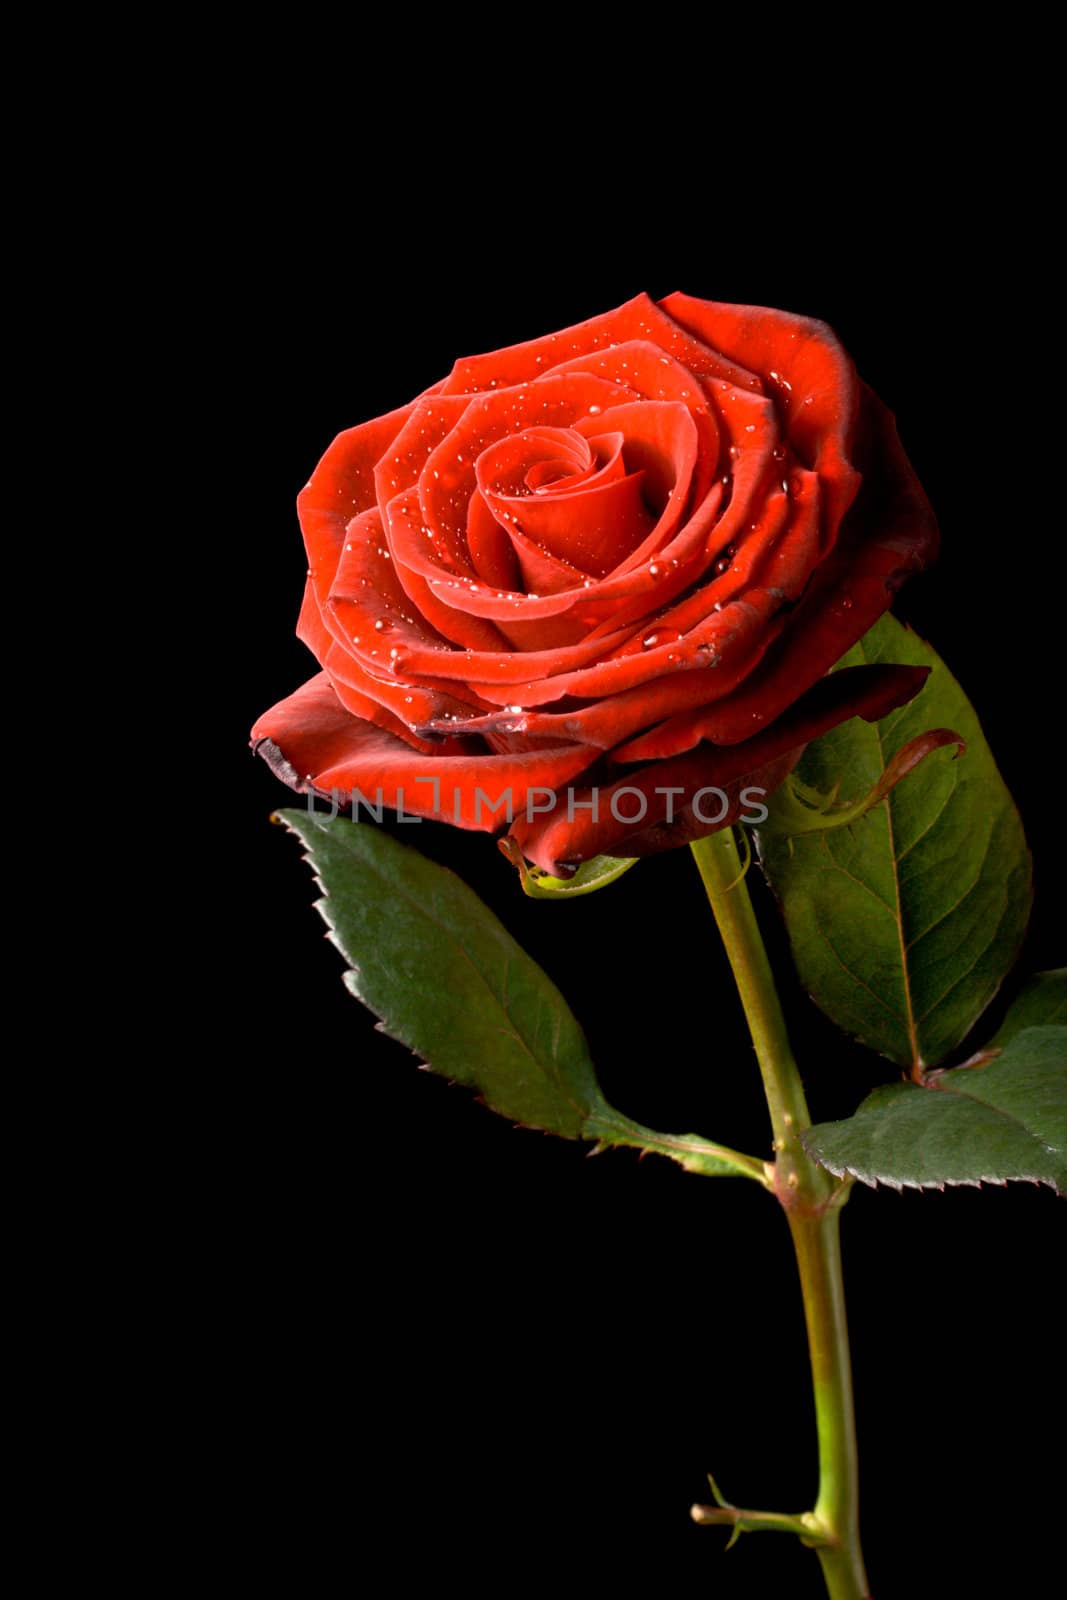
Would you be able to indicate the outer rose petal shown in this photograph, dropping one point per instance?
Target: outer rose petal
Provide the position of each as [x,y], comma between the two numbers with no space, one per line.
[889,534]
[639,318]
[557,844]
[313,744]
[802,362]
[341,486]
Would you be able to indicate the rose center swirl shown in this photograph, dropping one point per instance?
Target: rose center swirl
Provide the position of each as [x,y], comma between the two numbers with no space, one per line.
[567,503]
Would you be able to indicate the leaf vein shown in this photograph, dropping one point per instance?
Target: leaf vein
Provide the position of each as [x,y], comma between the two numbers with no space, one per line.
[934,820]
[843,964]
[840,867]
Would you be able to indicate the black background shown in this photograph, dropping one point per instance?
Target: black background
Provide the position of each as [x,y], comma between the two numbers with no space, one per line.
[467,1352]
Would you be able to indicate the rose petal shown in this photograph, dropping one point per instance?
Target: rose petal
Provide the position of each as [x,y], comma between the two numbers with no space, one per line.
[309,731]
[341,487]
[415,711]
[604,723]
[416,555]
[640,319]
[491,550]
[644,368]
[889,534]
[429,421]
[312,743]
[802,361]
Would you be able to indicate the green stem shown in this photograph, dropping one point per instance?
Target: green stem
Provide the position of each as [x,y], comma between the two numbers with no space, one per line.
[811,1200]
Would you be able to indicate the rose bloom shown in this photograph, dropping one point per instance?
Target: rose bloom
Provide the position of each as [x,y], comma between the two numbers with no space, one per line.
[586,578]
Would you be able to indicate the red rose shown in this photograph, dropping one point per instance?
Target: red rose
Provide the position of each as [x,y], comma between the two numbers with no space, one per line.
[588,579]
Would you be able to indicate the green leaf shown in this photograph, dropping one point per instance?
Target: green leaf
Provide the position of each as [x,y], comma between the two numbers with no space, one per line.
[1043,1000]
[591,875]
[904,922]
[448,980]
[986,1124]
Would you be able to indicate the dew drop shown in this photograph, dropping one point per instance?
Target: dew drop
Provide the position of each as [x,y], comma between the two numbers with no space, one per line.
[649,640]
[382,625]
[594,411]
